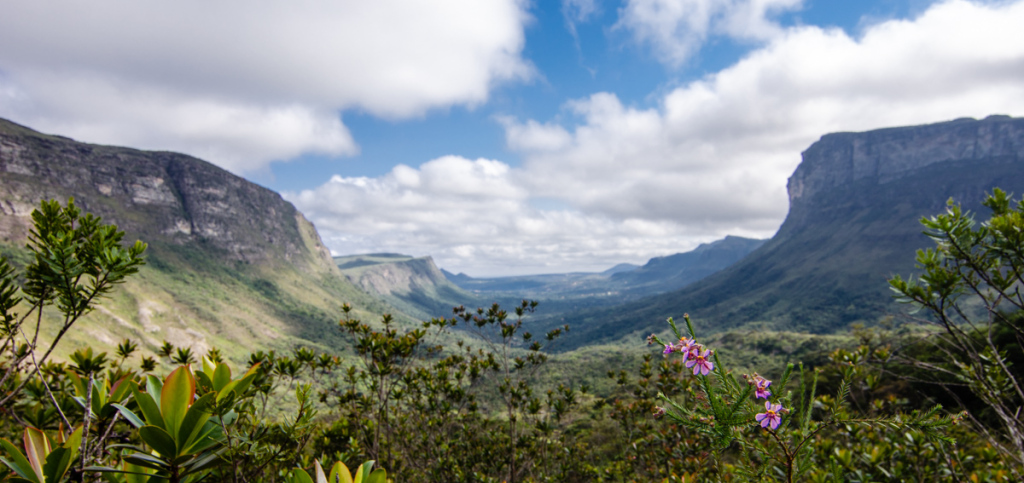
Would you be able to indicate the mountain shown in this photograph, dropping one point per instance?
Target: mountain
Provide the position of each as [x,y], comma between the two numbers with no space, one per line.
[623,281]
[230,263]
[663,274]
[855,204]
[413,285]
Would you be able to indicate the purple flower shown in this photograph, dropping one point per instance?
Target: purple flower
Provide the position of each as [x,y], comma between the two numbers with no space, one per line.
[761,386]
[668,349]
[700,362]
[772,416]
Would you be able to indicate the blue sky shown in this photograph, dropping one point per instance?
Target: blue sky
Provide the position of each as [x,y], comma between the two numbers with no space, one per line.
[504,136]
[600,57]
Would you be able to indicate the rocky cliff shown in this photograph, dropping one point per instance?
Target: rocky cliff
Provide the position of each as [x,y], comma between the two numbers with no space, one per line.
[230,264]
[856,203]
[152,195]
[414,285]
[888,155]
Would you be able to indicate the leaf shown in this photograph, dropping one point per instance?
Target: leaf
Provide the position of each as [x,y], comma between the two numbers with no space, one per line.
[221,377]
[194,420]
[340,473]
[154,386]
[175,397]
[362,472]
[150,408]
[58,462]
[121,388]
[158,439]
[36,449]
[129,415]
[146,461]
[18,463]
[378,476]
[300,476]
[320,476]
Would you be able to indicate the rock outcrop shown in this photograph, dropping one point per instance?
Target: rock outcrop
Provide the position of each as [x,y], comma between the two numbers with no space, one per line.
[887,155]
[153,195]
[856,201]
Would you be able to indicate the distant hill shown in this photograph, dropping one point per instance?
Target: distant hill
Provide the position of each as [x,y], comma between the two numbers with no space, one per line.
[664,274]
[855,204]
[623,281]
[230,263]
[413,285]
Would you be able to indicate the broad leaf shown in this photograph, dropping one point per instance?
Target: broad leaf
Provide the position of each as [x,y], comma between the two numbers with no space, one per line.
[159,440]
[36,449]
[18,463]
[176,397]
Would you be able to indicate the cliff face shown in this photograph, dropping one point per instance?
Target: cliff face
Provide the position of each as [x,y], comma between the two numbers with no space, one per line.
[887,155]
[413,285]
[856,202]
[156,196]
[230,263]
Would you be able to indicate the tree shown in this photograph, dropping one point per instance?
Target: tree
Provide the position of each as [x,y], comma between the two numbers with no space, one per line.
[971,289]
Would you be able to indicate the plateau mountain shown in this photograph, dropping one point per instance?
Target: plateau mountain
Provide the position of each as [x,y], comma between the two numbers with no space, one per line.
[855,204]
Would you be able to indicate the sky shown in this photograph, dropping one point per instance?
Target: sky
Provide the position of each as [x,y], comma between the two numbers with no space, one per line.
[507,137]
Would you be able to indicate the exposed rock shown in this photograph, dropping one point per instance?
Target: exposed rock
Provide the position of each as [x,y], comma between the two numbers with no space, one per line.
[887,155]
[153,195]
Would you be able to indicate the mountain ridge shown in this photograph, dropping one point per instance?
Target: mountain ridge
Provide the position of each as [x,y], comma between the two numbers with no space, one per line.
[848,229]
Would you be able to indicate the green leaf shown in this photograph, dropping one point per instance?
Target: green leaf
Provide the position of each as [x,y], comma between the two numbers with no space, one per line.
[175,397]
[146,461]
[18,463]
[129,415]
[158,439]
[378,476]
[221,377]
[37,447]
[300,476]
[150,408]
[363,472]
[194,420]
[340,473]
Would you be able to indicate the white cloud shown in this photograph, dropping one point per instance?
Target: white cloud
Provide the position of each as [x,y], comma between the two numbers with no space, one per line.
[716,153]
[247,82]
[676,29]
[712,158]
[475,216]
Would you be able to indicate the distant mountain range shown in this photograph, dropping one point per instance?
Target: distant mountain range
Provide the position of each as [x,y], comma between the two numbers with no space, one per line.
[855,204]
[231,264]
[417,287]
[624,281]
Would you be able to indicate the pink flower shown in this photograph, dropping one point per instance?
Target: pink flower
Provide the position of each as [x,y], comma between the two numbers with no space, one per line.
[700,362]
[761,386]
[668,349]
[772,415]
[687,347]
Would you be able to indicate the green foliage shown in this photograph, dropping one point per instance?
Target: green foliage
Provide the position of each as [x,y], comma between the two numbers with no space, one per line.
[970,290]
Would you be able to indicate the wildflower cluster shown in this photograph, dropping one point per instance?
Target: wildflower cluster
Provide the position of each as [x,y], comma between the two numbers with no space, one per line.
[700,358]
[728,411]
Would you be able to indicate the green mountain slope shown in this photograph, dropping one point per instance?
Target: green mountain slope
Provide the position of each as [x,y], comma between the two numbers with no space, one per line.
[230,263]
[413,285]
[855,203]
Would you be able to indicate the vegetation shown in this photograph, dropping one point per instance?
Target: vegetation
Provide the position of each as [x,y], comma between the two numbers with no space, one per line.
[424,404]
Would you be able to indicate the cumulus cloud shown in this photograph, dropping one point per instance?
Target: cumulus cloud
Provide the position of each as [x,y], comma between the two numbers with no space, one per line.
[247,82]
[710,159]
[717,152]
[677,28]
[475,216]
